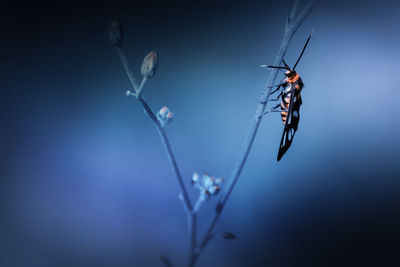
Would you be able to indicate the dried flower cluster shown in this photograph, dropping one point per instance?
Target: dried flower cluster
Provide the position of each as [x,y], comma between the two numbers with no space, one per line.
[207,184]
[164,116]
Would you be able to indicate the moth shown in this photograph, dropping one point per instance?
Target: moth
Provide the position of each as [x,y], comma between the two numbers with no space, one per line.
[290,102]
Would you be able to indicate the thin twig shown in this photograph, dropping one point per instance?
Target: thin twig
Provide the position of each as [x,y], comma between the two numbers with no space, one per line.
[290,29]
[192,218]
[198,203]
[141,87]
[294,10]
[183,195]
[183,192]
[170,154]
[124,61]
[194,248]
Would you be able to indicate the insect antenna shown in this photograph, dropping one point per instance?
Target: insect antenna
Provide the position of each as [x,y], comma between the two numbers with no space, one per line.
[277,67]
[286,65]
[302,52]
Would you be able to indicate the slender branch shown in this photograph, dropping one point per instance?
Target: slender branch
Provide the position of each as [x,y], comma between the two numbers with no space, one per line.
[192,218]
[183,195]
[194,248]
[299,20]
[290,29]
[124,61]
[199,201]
[164,139]
[141,87]
[294,10]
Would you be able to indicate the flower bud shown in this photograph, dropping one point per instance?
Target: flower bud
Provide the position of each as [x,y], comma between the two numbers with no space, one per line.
[150,63]
[115,33]
[164,116]
[195,178]
[129,93]
[207,184]
[213,190]
[163,112]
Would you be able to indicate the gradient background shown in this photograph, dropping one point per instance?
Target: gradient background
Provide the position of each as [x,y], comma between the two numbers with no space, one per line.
[84,178]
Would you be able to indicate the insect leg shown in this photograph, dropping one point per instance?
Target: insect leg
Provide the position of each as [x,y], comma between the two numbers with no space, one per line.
[277,89]
[276,108]
[277,97]
[270,111]
[279,84]
[273,92]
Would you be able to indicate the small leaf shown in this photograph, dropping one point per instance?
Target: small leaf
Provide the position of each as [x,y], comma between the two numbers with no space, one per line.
[228,235]
[166,261]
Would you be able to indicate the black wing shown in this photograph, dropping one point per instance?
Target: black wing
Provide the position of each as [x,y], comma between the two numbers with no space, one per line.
[292,121]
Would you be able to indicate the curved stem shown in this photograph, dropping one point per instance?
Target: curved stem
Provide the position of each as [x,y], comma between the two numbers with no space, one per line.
[194,248]
[124,61]
[183,195]
[290,29]
[192,219]
[164,139]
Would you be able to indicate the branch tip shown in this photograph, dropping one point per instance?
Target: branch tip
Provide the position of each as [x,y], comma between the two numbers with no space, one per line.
[115,33]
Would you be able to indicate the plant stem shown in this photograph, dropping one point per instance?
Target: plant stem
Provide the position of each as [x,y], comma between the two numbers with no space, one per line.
[290,29]
[192,218]
[164,139]
[198,203]
[141,87]
[194,248]
[183,195]
[124,61]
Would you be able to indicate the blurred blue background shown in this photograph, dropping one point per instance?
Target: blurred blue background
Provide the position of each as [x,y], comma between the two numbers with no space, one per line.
[84,178]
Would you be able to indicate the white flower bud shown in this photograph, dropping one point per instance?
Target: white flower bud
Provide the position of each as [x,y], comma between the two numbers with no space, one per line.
[195,178]
[164,116]
[150,64]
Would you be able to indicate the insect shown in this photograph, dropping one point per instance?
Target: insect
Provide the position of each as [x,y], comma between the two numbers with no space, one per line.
[290,102]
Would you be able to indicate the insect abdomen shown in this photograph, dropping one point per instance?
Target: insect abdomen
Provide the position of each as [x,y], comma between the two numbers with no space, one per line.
[285,106]
[285,101]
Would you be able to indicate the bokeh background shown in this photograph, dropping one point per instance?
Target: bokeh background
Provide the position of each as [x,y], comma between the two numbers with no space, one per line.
[84,178]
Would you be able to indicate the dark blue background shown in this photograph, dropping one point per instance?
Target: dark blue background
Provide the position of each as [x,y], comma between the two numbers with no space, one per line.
[84,178]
